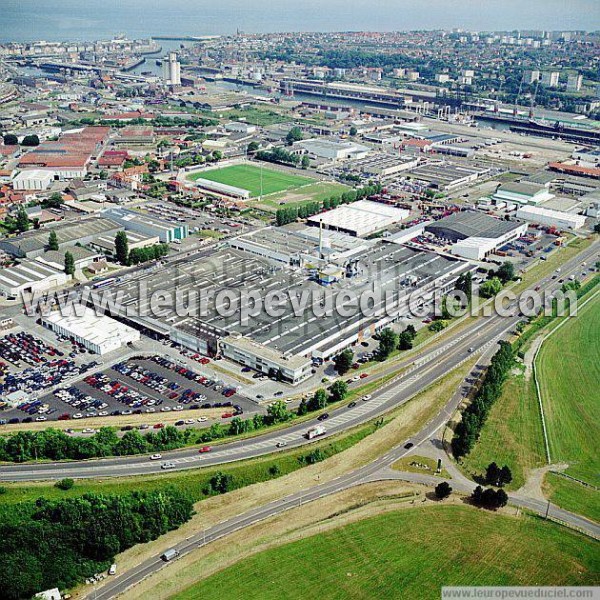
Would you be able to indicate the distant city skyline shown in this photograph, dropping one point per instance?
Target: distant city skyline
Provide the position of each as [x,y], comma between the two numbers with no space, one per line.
[55,20]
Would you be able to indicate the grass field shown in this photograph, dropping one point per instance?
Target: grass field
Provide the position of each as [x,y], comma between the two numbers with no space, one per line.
[512,434]
[315,192]
[568,367]
[573,496]
[248,177]
[414,552]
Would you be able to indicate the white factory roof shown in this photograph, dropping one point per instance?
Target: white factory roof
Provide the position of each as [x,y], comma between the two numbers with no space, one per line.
[546,215]
[34,175]
[97,329]
[362,217]
[27,271]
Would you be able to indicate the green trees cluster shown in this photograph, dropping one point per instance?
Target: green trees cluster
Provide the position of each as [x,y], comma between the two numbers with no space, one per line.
[53,444]
[142,255]
[10,139]
[473,418]
[289,214]
[406,338]
[489,498]
[22,220]
[121,247]
[498,476]
[294,135]
[31,140]
[442,490]
[490,288]
[278,155]
[59,543]
[343,361]
[55,200]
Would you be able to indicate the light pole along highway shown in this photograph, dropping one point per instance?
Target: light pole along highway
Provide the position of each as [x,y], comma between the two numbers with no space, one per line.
[427,368]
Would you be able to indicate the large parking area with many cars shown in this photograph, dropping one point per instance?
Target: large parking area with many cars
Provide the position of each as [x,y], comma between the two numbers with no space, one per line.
[140,385]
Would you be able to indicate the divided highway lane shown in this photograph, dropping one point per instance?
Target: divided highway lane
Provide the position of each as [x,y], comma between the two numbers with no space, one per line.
[425,370]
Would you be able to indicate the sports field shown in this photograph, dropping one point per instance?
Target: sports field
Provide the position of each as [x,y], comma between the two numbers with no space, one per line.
[248,177]
[410,554]
[568,367]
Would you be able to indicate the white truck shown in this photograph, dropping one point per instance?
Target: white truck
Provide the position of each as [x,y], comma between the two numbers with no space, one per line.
[314,432]
[170,554]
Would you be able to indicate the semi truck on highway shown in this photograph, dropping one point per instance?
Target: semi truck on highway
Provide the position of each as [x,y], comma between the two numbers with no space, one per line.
[314,432]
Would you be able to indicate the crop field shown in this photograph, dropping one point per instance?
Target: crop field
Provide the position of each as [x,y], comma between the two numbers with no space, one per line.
[248,177]
[416,551]
[568,367]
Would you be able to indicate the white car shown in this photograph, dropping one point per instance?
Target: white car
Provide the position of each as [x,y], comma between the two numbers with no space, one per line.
[367,397]
[281,444]
[202,419]
[189,421]
[167,465]
[40,418]
[156,457]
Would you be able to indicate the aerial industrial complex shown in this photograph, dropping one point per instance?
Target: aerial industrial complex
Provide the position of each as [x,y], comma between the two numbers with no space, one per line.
[340,251]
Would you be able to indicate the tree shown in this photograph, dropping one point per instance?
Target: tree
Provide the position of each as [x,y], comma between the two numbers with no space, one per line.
[54,201]
[53,241]
[465,284]
[122,247]
[69,264]
[31,140]
[294,135]
[217,155]
[22,220]
[10,139]
[353,131]
[278,412]
[318,401]
[492,474]
[220,483]
[442,490]
[64,484]
[305,162]
[506,272]
[252,147]
[388,342]
[302,408]
[343,361]
[505,476]
[338,391]
[490,288]
[405,341]
[438,325]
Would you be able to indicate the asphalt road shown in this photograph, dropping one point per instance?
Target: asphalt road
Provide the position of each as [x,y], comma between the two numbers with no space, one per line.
[425,370]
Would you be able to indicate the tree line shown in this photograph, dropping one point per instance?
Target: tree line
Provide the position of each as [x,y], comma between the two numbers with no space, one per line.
[289,214]
[475,415]
[59,543]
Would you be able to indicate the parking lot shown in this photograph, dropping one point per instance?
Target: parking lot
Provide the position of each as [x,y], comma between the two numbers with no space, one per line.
[142,385]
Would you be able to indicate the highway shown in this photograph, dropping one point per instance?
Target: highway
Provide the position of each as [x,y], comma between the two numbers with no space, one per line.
[425,370]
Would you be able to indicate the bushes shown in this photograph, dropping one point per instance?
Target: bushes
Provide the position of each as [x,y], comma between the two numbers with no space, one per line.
[473,418]
[64,484]
[60,543]
[489,498]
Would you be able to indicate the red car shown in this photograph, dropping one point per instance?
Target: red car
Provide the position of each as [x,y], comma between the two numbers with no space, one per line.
[363,375]
[159,426]
[204,449]
[226,415]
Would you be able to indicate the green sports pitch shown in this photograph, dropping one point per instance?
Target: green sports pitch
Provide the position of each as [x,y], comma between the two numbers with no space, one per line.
[248,177]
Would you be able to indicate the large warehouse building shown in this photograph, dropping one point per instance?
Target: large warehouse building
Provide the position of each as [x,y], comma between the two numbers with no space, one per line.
[146,225]
[30,276]
[551,218]
[475,235]
[97,333]
[360,218]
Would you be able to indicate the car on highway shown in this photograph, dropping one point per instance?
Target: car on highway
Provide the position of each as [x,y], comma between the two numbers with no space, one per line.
[168,465]
[352,405]
[408,445]
[366,398]
[113,569]
[323,417]
[281,444]
[156,457]
[204,449]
